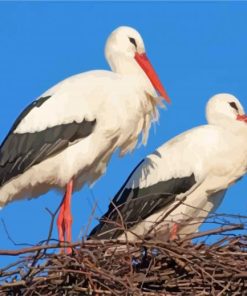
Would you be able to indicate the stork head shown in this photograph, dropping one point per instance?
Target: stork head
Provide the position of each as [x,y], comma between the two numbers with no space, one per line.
[125,52]
[225,110]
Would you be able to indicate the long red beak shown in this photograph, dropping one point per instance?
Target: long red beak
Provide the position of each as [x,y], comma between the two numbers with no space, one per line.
[242,118]
[147,67]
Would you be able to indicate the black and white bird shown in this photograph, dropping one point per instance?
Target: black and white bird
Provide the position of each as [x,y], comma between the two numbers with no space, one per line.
[174,189]
[66,137]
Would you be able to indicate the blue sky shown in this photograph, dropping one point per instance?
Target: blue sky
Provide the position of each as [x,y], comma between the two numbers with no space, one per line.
[198,49]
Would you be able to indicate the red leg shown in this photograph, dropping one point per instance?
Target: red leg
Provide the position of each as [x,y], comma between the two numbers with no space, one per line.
[67,213]
[174,232]
[60,223]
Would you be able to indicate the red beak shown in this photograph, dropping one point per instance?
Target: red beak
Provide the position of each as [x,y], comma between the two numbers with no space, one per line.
[145,64]
[242,118]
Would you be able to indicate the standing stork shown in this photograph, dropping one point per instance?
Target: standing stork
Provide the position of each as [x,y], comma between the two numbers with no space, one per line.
[174,189]
[65,138]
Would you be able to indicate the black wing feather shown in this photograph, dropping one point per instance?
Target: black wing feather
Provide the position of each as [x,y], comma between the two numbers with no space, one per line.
[137,204]
[19,152]
[35,104]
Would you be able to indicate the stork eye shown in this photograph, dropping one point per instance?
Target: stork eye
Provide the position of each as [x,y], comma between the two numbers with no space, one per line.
[133,41]
[234,106]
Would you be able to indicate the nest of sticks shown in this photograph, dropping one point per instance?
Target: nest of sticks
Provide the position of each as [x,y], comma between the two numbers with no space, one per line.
[145,267]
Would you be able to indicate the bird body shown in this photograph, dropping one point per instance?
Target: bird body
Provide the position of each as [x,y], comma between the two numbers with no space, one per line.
[209,160]
[66,137]
[83,97]
[183,180]
[72,129]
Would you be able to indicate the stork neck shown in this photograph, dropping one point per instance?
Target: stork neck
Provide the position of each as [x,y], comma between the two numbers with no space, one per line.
[124,65]
[233,126]
[228,123]
[127,66]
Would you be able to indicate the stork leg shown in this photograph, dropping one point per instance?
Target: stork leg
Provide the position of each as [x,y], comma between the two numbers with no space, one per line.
[174,232]
[67,214]
[64,220]
[60,222]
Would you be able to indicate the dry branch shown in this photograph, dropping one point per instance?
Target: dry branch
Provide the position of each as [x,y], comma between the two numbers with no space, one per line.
[145,267]
[103,268]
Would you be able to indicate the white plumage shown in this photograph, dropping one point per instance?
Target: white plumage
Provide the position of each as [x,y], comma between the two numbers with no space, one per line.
[71,131]
[184,179]
[122,102]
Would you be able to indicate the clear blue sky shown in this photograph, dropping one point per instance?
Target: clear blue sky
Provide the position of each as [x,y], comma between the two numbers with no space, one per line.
[199,49]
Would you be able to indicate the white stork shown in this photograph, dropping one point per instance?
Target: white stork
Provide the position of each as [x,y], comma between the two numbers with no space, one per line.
[183,180]
[66,137]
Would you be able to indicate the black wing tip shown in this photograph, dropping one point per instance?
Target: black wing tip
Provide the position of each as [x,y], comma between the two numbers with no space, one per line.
[97,231]
[149,200]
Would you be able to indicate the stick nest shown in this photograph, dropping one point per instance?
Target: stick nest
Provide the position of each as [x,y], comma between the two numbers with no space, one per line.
[146,267]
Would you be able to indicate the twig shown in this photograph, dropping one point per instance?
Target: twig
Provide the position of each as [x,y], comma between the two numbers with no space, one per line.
[213,231]
[10,238]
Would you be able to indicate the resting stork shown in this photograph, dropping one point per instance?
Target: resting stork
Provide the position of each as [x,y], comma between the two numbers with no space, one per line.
[172,191]
[66,137]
